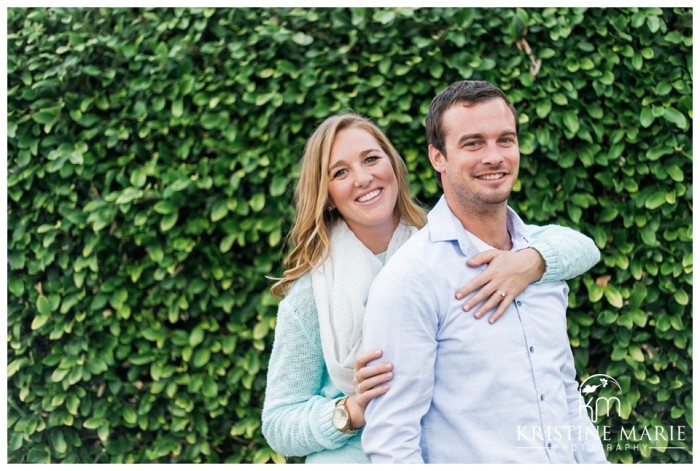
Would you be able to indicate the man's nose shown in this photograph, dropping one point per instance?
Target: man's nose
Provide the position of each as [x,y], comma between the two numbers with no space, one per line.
[492,155]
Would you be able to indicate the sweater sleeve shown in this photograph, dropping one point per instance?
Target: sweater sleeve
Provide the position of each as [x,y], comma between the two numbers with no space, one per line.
[296,416]
[567,253]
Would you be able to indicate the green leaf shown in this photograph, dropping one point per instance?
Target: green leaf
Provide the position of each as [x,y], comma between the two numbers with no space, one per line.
[58,442]
[384,16]
[676,117]
[681,297]
[177,107]
[168,221]
[257,202]
[302,39]
[227,242]
[656,199]
[138,178]
[675,172]
[129,415]
[196,336]
[47,116]
[201,356]
[260,330]
[164,207]
[646,118]
[613,296]
[209,388]
[279,184]
[571,121]
[543,108]
[128,195]
[219,210]
[42,305]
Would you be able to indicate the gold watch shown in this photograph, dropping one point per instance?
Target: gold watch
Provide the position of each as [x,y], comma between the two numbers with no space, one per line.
[341,417]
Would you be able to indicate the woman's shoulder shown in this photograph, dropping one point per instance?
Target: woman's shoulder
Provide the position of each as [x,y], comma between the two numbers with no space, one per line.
[299,300]
[301,290]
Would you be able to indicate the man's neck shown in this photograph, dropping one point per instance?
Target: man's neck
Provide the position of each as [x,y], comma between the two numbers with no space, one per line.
[488,224]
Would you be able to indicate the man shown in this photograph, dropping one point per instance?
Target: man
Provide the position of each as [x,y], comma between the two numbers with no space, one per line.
[465,390]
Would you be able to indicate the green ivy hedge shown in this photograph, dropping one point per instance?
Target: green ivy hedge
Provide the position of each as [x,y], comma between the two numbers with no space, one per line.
[152,157]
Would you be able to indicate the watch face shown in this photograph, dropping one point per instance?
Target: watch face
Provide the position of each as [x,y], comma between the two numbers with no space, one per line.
[340,417]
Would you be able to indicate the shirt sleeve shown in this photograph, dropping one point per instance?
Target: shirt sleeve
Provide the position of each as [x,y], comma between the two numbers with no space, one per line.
[588,447]
[296,417]
[567,253]
[400,320]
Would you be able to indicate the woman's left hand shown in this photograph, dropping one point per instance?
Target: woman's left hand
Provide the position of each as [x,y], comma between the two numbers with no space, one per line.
[506,276]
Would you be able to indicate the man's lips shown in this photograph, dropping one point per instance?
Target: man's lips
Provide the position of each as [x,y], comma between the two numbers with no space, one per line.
[491,176]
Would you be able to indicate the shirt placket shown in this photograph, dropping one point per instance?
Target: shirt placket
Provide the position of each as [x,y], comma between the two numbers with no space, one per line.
[554,433]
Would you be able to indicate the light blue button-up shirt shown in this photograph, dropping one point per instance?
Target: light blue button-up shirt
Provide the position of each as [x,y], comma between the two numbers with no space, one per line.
[464,390]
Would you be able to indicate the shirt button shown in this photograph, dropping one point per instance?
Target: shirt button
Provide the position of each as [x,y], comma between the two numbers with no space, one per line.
[549,445]
[532,349]
[541,397]
[518,303]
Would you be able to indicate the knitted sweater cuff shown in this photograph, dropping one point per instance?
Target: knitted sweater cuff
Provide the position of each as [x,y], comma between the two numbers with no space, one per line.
[328,431]
[551,261]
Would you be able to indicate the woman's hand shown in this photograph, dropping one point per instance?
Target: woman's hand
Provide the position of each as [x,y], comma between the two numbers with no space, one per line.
[369,382]
[506,276]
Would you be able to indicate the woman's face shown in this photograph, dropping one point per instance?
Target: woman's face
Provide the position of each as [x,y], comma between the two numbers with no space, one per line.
[362,184]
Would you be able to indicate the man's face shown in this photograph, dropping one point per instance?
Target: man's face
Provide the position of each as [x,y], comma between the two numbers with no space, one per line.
[480,164]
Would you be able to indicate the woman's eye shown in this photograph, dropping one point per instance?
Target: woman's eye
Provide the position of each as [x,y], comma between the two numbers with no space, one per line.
[371,159]
[340,173]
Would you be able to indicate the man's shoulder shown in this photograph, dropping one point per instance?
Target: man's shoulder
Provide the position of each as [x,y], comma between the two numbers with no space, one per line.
[414,259]
[412,249]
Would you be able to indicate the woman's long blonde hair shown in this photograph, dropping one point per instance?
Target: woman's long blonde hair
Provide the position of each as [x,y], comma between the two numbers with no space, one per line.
[310,236]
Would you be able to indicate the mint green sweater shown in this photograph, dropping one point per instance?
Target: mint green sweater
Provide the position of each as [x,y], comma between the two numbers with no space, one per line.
[300,397]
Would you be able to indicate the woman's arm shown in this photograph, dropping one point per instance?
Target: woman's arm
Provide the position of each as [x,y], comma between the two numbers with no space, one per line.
[567,253]
[556,253]
[296,417]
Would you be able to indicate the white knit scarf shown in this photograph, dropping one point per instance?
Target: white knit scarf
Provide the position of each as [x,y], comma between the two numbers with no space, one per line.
[341,286]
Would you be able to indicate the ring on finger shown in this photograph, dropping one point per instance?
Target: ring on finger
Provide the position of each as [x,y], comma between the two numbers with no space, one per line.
[503,295]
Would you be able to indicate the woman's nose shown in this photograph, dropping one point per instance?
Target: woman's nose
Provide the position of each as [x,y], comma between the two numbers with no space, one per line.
[363,178]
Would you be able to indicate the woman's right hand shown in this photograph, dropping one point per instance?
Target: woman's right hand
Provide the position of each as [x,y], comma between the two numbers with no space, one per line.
[369,382]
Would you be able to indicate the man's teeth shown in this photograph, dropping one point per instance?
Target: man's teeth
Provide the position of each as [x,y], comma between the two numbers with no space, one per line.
[369,196]
[495,176]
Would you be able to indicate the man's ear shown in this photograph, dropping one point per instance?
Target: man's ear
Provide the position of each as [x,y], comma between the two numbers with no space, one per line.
[437,159]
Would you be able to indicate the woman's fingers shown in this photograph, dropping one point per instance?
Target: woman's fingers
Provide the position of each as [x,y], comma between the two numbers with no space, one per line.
[371,381]
[372,393]
[494,300]
[370,376]
[475,283]
[486,291]
[362,360]
[501,309]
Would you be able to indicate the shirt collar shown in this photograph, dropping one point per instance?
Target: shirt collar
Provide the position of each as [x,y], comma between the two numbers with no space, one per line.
[443,225]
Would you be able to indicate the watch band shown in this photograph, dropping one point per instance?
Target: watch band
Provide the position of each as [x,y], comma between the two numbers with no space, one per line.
[341,416]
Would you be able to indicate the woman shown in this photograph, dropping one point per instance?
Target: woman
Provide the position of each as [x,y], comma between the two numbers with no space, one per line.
[353,211]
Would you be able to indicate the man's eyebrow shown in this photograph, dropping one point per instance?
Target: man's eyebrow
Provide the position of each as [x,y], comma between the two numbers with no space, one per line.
[478,135]
[466,137]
